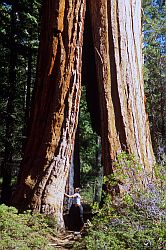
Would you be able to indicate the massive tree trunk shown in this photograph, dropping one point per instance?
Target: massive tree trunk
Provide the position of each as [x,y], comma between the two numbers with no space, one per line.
[123,123]
[117,40]
[54,116]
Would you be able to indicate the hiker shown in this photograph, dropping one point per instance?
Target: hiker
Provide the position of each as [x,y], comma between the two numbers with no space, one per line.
[75,211]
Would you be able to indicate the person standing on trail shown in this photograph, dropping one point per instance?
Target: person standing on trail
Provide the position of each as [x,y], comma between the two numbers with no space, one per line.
[76,211]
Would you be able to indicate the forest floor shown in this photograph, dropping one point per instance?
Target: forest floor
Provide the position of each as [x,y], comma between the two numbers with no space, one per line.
[65,240]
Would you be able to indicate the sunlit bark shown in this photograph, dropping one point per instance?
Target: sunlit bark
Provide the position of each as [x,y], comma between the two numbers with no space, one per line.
[55,108]
[117,39]
[122,121]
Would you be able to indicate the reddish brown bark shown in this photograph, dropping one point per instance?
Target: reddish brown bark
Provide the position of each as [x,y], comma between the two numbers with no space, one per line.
[55,108]
[116,28]
[117,39]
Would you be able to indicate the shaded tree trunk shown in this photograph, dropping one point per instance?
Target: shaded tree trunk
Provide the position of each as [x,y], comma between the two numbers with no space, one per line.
[69,189]
[73,180]
[54,116]
[99,172]
[28,89]
[77,158]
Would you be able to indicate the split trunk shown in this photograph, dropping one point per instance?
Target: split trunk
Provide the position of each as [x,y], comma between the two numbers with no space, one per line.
[115,84]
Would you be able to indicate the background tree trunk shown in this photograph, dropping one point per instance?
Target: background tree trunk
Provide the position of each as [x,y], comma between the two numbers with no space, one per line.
[28,89]
[77,158]
[54,116]
[99,172]
[117,40]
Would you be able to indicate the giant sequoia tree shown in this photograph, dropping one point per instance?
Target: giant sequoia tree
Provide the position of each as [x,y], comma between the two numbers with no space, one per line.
[115,85]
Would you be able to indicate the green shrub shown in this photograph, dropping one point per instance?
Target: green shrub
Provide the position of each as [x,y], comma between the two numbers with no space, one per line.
[135,221]
[23,231]
[124,228]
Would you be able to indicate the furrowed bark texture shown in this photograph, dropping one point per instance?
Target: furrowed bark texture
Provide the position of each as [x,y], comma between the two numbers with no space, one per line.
[123,123]
[117,40]
[55,109]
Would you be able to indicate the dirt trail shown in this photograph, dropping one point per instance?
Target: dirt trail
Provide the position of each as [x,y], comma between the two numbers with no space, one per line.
[65,240]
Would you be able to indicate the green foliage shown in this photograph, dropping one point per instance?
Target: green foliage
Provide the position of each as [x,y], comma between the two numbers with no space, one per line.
[19,21]
[160,172]
[88,144]
[135,220]
[126,167]
[24,231]
[124,228]
[154,23]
